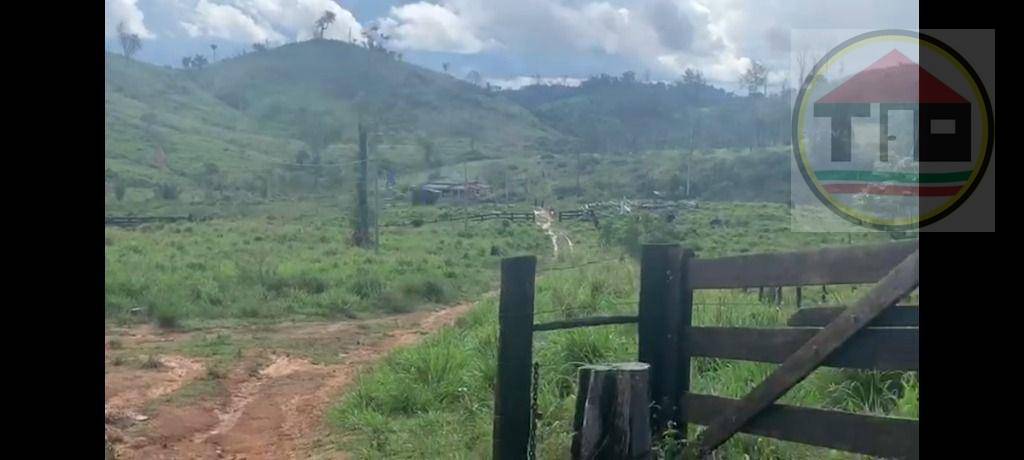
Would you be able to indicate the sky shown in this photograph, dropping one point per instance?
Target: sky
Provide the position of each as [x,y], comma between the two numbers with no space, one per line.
[510,41]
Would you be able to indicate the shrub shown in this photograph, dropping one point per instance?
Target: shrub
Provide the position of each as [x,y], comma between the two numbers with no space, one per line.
[167,191]
[393,302]
[430,290]
[166,317]
[367,286]
[151,362]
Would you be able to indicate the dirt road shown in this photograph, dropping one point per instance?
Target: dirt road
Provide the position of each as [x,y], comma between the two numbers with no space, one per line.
[170,395]
[545,220]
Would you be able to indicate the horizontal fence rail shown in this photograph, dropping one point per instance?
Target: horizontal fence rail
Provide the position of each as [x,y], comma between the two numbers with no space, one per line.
[889,349]
[510,216]
[584,322]
[132,221]
[887,437]
[896,316]
[850,265]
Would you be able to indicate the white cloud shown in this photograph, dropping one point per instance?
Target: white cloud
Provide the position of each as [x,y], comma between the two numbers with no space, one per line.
[521,81]
[296,17]
[719,37]
[429,27]
[117,11]
[249,21]
[229,23]
[665,35]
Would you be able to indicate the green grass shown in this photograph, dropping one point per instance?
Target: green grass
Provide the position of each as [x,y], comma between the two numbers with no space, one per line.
[444,386]
[266,269]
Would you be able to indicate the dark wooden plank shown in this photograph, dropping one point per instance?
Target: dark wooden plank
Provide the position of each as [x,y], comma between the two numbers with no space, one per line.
[584,322]
[879,349]
[897,284]
[847,265]
[515,356]
[886,437]
[664,311]
[897,316]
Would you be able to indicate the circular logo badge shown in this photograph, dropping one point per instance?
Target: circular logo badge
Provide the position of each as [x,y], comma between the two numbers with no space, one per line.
[901,138]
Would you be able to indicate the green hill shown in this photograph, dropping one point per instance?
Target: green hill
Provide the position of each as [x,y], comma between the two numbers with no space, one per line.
[342,82]
[613,114]
[238,123]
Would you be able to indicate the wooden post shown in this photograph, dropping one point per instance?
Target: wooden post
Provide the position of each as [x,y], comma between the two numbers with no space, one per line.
[666,303]
[515,355]
[376,212]
[612,419]
[799,296]
[362,233]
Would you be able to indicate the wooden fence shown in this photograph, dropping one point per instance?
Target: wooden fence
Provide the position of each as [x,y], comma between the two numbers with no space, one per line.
[134,221]
[497,215]
[869,334]
[607,208]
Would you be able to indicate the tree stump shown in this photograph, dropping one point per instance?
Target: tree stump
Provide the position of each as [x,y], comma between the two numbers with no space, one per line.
[613,415]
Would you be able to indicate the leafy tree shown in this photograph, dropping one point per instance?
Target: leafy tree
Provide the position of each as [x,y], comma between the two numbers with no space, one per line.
[130,42]
[194,62]
[167,191]
[119,189]
[429,152]
[321,24]
[318,130]
[694,77]
[374,38]
[213,47]
[756,79]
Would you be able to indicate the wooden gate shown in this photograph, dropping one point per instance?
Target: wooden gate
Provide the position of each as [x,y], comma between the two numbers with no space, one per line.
[871,333]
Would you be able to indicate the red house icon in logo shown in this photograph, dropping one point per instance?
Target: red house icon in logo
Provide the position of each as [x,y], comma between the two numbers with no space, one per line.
[894,82]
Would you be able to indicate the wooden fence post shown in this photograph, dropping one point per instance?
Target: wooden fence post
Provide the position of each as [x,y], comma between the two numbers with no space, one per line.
[515,356]
[664,313]
[612,419]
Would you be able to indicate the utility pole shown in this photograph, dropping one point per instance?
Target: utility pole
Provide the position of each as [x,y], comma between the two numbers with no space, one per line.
[362,236]
[689,161]
[578,191]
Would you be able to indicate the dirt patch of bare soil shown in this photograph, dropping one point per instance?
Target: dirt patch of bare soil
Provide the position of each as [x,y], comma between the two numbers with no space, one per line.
[273,403]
